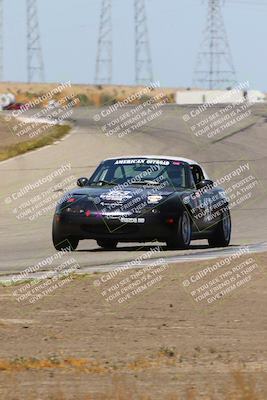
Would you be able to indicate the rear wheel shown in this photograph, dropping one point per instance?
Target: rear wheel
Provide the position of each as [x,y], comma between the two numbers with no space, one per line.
[183,237]
[107,243]
[222,235]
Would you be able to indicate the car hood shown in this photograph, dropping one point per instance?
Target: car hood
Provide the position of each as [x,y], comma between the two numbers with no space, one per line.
[132,199]
[114,192]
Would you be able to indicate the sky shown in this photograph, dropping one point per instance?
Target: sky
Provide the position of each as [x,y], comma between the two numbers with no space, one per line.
[69,32]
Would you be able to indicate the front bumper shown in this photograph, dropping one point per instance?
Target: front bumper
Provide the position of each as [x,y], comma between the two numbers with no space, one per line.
[153,225]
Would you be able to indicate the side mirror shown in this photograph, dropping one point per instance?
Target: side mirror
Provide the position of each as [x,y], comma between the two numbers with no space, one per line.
[82,182]
[205,183]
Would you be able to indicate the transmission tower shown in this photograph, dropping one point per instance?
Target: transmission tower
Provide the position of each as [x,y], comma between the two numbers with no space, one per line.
[34,51]
[103,72]
[143,62]
[214,68]
[1,39]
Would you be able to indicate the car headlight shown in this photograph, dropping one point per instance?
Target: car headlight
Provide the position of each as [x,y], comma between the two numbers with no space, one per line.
[154,199]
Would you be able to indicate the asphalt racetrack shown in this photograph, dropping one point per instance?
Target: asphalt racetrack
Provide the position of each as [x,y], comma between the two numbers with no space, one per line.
[24,241]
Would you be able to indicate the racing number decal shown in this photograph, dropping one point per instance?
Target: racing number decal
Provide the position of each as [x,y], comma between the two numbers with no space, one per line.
[207,209]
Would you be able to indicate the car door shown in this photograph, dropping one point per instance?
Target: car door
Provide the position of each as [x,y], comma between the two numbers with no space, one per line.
[205,199]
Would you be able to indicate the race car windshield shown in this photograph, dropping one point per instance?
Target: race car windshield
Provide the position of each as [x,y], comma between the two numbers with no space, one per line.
[143,172]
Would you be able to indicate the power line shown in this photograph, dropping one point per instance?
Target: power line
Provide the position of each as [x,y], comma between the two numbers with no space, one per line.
[35,65]
[214,68]
[143,61]
[103,72]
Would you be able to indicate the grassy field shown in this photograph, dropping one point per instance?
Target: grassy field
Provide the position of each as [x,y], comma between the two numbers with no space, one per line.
[88,95]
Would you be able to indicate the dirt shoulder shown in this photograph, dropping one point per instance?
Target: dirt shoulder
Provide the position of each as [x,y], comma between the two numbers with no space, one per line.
[20,137]
[161,342]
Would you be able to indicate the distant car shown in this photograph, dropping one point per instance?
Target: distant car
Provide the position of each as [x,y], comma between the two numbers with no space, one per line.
[13,106]
[143,199]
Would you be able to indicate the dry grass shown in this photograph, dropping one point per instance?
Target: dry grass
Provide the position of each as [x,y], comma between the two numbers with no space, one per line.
[78,364]
[13,150]
[84,365]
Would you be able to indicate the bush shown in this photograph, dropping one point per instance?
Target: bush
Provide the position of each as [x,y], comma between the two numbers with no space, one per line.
[107,100]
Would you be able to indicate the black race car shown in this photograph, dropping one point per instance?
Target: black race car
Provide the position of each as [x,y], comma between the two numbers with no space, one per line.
[143,199]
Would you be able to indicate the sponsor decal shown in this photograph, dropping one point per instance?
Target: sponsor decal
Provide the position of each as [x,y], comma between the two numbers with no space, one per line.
[132,220]
[116,215]
[142,161]
[116,195]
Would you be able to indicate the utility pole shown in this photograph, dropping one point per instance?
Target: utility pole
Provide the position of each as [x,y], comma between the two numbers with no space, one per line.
[214,68]
[35,65]
[143,62]
[103,72]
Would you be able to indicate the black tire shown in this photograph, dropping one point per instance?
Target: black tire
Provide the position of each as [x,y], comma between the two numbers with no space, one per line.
[221,237]
[69,244]
[182,238]
[63,243]
[108,244]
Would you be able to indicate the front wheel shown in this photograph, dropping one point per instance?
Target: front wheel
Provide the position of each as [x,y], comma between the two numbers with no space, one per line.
[108,244]
[67,244]
[222,235]
[182,238]
[61,242]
